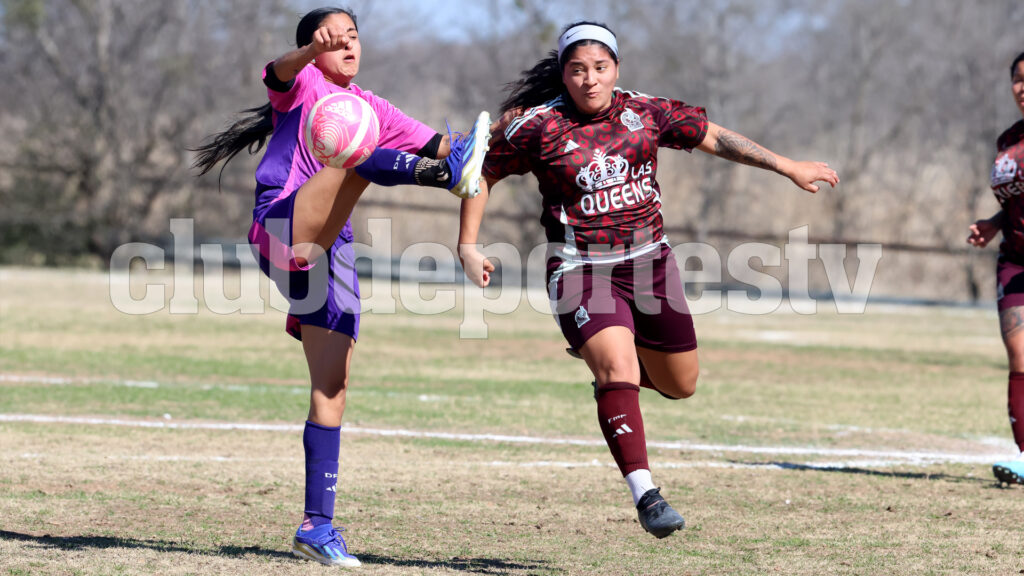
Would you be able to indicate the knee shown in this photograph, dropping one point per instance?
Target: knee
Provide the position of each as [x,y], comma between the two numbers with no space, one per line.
[329,380]
[684,390]
[332,387]
[689,388]
[617,369]
[1015,354]
[683,385]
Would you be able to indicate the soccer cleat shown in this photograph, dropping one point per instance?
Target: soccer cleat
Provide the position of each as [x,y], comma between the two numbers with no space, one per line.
[656,516]
[466,159]
[1010,471]
[325,545]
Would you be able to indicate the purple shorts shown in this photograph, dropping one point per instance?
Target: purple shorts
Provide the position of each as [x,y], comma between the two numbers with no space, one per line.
[1009,284]
[644,294]
[325,293]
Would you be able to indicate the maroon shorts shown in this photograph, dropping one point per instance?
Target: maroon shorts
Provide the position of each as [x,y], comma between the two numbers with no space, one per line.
[644,294]
[1009,284]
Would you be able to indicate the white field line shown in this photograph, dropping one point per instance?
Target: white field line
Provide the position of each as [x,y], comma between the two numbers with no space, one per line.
[907,457]
[241,388]
[165,458]
[64,381]
[839,465]
[997,443]
[843,429]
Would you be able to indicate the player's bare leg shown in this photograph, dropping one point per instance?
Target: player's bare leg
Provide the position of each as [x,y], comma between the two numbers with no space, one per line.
[612,358]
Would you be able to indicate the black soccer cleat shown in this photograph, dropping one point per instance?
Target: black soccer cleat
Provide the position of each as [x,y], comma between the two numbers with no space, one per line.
[656,516]
[1009,472]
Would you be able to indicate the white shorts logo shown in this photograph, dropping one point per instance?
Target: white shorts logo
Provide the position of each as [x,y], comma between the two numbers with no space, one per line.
[582,317]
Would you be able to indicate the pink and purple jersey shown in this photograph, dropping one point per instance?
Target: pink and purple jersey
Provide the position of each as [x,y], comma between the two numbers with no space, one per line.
[287,162]
[597,174]
[329,299]
[1008,186]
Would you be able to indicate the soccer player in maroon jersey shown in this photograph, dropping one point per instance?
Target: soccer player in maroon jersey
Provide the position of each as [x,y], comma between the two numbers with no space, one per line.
[614,285]
[1008,185]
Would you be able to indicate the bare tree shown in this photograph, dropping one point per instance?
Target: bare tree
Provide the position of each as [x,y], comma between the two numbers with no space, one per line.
[904,97]
[111,95]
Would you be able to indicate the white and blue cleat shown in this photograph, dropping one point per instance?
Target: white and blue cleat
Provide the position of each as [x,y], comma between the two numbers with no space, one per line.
[325,545]
[466,158]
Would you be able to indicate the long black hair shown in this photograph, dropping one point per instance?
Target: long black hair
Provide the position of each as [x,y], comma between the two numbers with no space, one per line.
[251,131]
[543,82]
[1017,60]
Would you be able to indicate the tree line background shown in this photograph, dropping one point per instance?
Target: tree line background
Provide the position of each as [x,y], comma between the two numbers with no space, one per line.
[103,100]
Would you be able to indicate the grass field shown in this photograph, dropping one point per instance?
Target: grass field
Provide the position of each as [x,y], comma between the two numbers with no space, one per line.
[822,444]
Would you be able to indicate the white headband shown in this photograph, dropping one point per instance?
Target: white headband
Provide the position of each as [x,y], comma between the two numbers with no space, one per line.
[587,32]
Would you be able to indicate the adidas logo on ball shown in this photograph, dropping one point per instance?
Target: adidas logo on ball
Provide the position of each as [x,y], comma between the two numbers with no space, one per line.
[341,130]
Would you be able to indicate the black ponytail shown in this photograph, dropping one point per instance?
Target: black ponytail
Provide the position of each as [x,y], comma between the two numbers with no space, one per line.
[249,132]
[543,82]
[539,84]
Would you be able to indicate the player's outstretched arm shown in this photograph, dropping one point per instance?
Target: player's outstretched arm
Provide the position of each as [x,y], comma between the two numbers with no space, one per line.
[477,267]
[983,231]
[732,146]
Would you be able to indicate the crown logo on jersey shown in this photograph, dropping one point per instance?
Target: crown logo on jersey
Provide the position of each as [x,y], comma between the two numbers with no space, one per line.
[1004,171]
[603,172]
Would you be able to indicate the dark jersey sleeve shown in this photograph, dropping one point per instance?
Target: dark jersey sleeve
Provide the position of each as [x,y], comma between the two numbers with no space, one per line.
[681,126]
[270,80]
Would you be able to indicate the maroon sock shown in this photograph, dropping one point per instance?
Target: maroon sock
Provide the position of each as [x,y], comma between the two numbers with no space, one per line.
[618,410]
[1015,402]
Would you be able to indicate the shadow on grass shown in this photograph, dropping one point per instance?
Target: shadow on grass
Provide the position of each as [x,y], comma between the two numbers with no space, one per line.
[470,565]
[882,473]
[104,542]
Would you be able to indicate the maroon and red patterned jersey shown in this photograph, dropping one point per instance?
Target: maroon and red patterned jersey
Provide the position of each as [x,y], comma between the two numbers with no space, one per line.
[1008,186]
[602,202]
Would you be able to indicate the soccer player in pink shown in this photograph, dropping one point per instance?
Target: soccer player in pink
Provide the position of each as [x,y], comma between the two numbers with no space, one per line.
[615,288]
[1008,186]
[303,237]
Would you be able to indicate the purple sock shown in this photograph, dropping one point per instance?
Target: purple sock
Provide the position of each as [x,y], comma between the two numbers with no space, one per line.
[388,167]
[322,445]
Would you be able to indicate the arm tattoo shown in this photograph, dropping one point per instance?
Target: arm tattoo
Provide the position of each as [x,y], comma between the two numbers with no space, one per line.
[1011,321]
[732,146]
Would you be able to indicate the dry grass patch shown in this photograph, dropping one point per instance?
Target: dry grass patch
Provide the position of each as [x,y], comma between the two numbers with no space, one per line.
[200,502]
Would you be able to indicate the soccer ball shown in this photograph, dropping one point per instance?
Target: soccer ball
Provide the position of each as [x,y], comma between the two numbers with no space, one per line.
[341,130]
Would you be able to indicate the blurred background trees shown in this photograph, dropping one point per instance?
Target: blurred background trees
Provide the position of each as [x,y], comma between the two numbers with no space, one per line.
[103,98]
